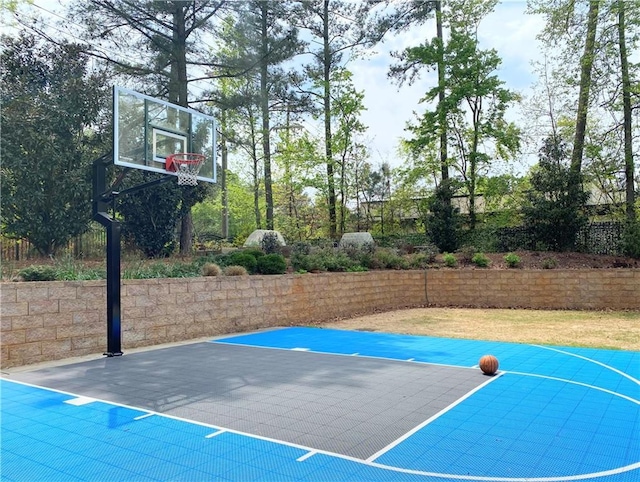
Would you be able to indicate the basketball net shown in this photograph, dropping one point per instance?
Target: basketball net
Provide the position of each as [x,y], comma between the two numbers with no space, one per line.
[186,166]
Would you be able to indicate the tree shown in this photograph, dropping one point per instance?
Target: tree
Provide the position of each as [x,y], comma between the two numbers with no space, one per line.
[257,40]
[553,209]
[166,38]
[337,27]
[52,128]
[444,223]
[472,111]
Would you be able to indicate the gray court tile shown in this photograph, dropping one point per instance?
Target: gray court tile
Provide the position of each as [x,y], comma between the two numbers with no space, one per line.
[348,405]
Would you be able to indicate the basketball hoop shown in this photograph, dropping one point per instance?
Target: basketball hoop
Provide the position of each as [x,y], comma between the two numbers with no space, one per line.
[186,166]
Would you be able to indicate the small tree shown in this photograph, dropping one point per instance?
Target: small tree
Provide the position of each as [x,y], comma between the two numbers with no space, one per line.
[554,209]
[51,131]
[444,223]
[150,215]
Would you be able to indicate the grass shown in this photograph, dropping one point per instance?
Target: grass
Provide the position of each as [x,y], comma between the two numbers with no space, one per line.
[596,329]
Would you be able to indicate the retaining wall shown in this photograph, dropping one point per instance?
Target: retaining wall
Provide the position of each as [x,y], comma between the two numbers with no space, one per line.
[44,321]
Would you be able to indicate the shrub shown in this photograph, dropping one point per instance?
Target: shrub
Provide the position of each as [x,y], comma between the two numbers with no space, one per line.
[512,260]
[242,258]
[270,243]
[388,259]
[235,270]
[211,269]
[467,253]
[356,269]
[419,260]
[549,263]
[429,250]
[480,260]
[38,273]
[631,239]
[272,264]
[449,260]
[308,262]
[255,252]
[300,248]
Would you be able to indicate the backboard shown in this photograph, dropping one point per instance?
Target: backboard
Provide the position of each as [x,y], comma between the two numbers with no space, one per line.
[147,130]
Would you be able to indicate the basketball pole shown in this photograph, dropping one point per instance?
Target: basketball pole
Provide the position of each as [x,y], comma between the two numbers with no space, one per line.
[102,197]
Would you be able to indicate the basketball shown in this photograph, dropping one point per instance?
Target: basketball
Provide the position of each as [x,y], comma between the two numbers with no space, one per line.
[488,364]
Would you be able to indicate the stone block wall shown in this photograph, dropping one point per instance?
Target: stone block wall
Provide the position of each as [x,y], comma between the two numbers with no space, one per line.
[44,321]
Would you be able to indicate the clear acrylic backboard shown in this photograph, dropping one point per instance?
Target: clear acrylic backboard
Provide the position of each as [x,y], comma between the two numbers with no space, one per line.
[148,130]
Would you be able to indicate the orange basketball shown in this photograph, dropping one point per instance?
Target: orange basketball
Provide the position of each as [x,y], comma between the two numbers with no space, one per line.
[488,364]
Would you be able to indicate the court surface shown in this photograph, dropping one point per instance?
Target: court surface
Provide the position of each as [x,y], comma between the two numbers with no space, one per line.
[318,404]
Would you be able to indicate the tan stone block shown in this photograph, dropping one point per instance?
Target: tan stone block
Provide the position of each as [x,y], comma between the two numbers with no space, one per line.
[85,342]
[14,337]
[69,331]
[95,328]
[21,322]
[58,319]
[43,306]
[72,305]
[63,292]
[14,309]
[132,336]
[25,350]
[85,317]
[202,296]
[156,333]
[30,293]
[56,349]
[159,290]
[40,334]
[6,324]
[8,293]
[90,292]
[143,300]
[133,290]
[155,311]
[176,287]
[135,313]
[176,331]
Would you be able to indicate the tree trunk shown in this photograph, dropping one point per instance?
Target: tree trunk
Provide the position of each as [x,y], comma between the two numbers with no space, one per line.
[585,84]
[264,105]
[223,175]
[256,177]
[444,166]
[331,189]
[626,107]
[178,95]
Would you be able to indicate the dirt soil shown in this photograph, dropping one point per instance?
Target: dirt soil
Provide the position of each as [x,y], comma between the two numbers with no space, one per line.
[541,260]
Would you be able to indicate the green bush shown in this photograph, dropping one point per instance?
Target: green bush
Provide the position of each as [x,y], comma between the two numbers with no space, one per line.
[480,260]
[38,273]
[419,260]
[449,260]
[631,239]
[512,260]
[388,259]
[467,253]
[255,252]
[242,258]
[549,263]
[270,243]
[272,264]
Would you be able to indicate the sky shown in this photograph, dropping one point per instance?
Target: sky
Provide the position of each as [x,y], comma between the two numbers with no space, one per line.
[508,29]
[389,106]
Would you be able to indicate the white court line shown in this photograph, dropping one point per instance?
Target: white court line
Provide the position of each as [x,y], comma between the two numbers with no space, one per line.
[144,416]
[214,434]
[591,360]
[355,354]
[431,419]
[79,401]
[610,392]
[309,350]
[304,457]
[568,478]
